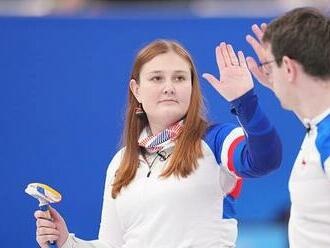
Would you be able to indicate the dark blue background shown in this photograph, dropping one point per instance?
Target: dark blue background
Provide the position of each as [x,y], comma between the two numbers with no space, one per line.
[63,89]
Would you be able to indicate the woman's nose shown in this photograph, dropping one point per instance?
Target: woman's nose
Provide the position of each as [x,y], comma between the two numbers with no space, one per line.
[169,89]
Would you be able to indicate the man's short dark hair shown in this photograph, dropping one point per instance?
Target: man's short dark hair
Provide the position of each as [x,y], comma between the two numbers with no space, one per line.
[302,34]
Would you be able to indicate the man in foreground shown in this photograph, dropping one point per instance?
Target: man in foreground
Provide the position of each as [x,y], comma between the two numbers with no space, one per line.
[294,51]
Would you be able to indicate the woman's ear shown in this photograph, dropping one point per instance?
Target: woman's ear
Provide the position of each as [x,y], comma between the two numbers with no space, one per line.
[134,86]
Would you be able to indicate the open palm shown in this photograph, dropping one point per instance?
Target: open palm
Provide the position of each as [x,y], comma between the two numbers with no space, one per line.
[235,77]
[258,72]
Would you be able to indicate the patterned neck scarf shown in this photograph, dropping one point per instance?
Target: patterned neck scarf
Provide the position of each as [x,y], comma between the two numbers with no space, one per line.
[155,143]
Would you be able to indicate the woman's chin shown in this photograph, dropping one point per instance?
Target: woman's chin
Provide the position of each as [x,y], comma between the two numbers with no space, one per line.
[170,117]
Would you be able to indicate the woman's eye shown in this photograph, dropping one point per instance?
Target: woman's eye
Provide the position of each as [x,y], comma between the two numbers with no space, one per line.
[156,79]
[180,78]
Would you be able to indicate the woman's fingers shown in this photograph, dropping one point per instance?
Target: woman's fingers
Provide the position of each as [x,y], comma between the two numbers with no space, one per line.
[216,84]
[41,231]
[43,240]
[40,214]
[50,230]
[211,79]
[224,52]
[45,223]
[55,215]
[219,58]
[233,58]
[45,234]
[46,231]
[241,58]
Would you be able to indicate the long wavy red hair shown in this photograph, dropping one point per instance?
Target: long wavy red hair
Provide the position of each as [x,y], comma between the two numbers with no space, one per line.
[188,144]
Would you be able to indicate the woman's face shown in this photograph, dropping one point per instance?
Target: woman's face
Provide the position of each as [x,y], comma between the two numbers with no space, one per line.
[164,89]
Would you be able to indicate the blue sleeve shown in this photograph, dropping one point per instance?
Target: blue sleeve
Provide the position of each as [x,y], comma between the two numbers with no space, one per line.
[252,153]
[263,150]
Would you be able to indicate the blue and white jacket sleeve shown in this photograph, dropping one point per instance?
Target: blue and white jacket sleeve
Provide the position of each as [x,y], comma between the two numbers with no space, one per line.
[252,150]
[322,143]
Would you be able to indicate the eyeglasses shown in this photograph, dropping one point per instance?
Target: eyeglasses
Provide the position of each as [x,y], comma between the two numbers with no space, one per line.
[267,62]
[266,69]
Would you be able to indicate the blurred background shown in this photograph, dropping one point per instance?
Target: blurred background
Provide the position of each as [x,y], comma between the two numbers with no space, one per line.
[64,71]
[197,8]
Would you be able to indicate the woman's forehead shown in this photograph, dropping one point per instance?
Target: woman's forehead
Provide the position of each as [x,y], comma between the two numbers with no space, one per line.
[166,62]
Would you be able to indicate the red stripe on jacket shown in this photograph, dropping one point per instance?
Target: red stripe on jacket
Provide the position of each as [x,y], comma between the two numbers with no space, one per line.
[237,189]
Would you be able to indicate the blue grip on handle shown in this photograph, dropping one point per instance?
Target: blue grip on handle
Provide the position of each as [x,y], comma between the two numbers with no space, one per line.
[51,244]
[44,208]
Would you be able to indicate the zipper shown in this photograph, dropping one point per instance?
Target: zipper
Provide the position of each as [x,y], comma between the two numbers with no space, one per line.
[162,156]
[245,133]
[150,164]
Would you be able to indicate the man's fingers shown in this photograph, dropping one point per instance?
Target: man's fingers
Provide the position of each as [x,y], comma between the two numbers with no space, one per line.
[257,31]
[252,64]
[253,67]
[258,73]
[258,49]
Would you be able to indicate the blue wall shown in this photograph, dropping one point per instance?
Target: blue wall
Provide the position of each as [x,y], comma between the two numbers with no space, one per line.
[63,87]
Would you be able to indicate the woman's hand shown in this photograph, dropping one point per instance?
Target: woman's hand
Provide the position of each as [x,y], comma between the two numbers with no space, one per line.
[47,230]
[235,77]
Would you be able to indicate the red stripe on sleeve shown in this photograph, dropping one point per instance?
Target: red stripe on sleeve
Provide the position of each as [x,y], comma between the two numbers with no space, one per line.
[237,189]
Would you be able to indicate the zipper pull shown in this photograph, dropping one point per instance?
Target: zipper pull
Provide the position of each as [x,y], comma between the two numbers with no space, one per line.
[308,128]
[149,173]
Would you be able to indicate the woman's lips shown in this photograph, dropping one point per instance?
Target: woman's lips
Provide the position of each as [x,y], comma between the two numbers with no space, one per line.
[168,101]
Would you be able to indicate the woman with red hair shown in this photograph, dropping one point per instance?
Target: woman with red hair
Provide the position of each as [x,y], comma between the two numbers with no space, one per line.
[175,181]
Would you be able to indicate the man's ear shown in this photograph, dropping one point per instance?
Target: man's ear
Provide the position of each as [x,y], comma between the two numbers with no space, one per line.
[291,68]
[134,86]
